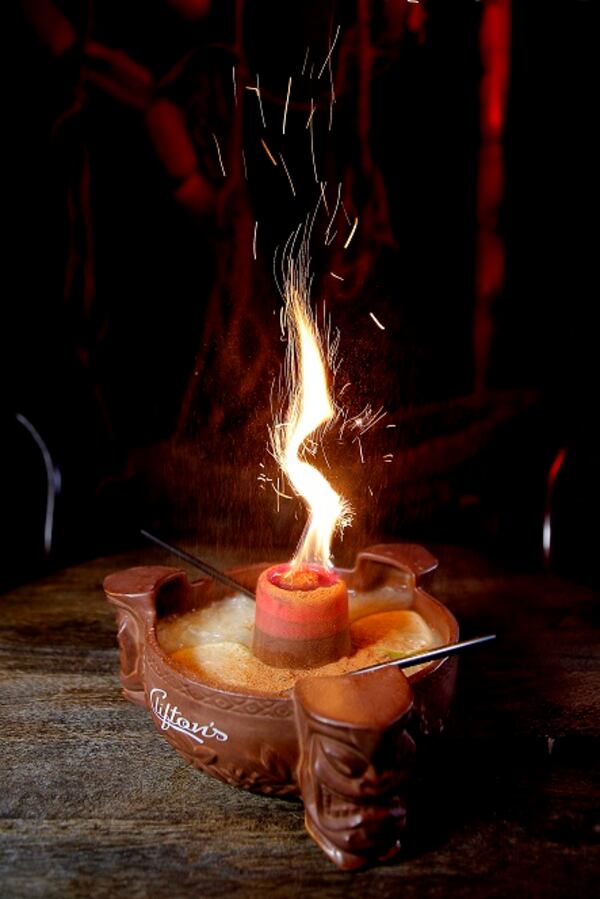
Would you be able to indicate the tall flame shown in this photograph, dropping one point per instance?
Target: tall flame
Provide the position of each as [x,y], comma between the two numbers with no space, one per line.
[309,408]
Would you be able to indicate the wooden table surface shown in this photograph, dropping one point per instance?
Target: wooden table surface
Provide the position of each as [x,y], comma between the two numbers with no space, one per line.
[94,803]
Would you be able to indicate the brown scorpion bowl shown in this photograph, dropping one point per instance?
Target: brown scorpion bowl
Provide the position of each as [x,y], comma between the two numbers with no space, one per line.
[345,744]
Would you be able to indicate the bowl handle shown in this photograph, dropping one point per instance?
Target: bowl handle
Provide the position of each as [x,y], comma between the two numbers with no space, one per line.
[134,592]
[407,556]
[356,761]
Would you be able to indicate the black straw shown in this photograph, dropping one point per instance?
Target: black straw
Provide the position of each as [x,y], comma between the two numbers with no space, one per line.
[421,658]
[212,572]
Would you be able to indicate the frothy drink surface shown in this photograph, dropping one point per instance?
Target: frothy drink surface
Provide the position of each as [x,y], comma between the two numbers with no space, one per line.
[213,643]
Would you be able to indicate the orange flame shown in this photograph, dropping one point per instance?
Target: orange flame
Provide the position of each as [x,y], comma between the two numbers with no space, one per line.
[309,408]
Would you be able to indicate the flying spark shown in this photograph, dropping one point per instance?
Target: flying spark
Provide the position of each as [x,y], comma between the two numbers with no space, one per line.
[305,61]
[372,420]
[268,152]
[312,142]
[366,419]
[289,177]
[351,235]
[260,103]
[234,85]
[333,275]
[323,185]
[254,239]
[287,103]
[280,492]
[219,154]
[331,95]
[256,89]
[328,57]
[334,213]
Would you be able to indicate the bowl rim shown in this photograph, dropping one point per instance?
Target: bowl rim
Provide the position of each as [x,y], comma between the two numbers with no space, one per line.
[183,673]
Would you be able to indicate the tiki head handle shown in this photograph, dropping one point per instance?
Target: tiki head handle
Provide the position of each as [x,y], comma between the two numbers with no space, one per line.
[356,758]
[410,562]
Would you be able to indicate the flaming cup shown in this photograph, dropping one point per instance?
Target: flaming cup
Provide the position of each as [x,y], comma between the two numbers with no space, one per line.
[301,618]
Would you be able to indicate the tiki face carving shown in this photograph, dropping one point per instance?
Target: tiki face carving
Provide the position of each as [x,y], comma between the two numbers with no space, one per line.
[130,644]
[354,774]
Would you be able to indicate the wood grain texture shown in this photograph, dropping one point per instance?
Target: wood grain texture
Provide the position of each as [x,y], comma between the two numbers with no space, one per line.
[94,803]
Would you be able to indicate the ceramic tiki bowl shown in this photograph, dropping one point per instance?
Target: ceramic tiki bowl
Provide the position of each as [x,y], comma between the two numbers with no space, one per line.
[345,745]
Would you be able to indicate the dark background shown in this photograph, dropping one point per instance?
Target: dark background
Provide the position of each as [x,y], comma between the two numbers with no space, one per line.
[122,279]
